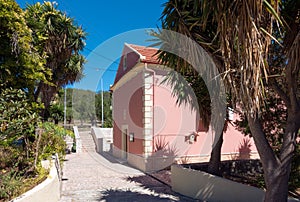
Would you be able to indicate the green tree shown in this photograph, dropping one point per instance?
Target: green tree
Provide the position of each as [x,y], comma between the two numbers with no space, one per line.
[107,112]
[69,111]
[20,64]
[84,105]
[57,112]
[59,40]
[256,47]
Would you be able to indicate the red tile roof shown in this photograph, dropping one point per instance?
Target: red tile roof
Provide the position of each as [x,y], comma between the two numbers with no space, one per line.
[149,53]
[135,55]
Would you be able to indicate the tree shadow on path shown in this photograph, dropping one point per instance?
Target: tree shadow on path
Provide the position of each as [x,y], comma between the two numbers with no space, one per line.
[130,196]
[153,185]
[149,189]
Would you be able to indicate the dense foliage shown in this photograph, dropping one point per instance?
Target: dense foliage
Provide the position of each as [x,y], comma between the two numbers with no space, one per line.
[18,118]
[22,146]
[39,53]
[20,64]
[39,50]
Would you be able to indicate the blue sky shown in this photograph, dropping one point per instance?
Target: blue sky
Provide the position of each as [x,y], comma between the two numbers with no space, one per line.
[109,25]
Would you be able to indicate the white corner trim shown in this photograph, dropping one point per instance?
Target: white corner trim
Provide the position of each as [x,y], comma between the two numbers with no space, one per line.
[138,68]
[142,57]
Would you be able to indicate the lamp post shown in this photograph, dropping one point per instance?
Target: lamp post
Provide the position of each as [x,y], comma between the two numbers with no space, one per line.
[65,107]
[102,117]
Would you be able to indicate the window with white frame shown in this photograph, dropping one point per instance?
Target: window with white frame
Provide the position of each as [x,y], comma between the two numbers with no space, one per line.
[230,114]
[124,62]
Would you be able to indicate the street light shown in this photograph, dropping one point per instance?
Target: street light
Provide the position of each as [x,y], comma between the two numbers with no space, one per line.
[102,118]
[65,107]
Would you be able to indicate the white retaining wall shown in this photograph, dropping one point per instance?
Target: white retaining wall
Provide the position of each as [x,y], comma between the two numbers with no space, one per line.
[207,187]
[77,139]
[103,138]
[47,191]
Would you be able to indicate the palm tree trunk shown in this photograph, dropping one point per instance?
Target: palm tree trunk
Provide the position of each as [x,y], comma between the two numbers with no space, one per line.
[277,188]
[276,170]
[215,158]
[47,96]
[38,90]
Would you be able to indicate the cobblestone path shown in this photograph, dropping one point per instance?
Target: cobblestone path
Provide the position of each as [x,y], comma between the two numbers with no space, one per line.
[89,176]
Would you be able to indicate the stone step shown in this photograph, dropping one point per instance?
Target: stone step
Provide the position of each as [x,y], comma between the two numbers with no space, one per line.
[87,141]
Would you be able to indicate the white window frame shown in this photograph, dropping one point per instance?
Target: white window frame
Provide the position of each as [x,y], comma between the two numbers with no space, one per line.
[124,62]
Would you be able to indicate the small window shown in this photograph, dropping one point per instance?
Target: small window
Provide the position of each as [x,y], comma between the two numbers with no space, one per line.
[230,114]
[125,62]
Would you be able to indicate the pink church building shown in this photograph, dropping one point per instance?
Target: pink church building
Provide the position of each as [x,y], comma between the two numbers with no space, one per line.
[150,130]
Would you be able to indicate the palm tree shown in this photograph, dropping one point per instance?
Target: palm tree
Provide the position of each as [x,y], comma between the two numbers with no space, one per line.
[60,41]
[180,17]
[256,46]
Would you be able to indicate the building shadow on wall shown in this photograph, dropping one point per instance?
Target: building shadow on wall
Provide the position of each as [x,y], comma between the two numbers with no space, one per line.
[243,151]
[162,148]
[163,155]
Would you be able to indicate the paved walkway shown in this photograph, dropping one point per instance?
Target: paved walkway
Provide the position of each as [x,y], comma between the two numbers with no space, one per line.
[89,176]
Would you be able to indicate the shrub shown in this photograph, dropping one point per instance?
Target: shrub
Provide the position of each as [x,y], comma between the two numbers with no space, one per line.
[52,141]
[57,112]
[294,182]
[10,184]
[18,117]
[18,174]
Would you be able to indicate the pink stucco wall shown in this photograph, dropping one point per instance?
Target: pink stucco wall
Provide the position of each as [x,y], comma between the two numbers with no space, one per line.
[131,61]
[127,103]
[173,124]
[117,138]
